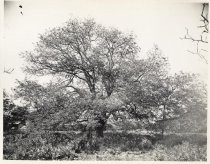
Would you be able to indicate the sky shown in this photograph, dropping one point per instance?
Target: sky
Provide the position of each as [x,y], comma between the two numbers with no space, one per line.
[152,23]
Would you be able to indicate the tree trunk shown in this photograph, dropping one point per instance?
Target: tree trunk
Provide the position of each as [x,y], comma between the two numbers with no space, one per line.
[162,133]
[163,123]
[100,136]
[101,124]
[90,142]
[92,138]
[93,135]
[100,131]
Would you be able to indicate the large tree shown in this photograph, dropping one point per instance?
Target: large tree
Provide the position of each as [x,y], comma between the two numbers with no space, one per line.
[93,109]
[87,58]
[98,75]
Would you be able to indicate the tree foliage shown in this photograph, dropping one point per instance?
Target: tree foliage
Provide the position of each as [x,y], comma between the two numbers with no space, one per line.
[84,51]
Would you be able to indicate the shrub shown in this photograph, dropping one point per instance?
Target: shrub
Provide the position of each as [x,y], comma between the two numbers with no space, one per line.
[171,140]
[182,152]
[175,139]
[45,152]
[146,144]
[128,141]
[36,146]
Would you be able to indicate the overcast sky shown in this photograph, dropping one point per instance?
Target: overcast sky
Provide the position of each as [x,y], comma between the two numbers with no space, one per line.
[153,23]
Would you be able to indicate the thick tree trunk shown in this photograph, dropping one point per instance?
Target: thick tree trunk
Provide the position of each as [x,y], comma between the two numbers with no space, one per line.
[100,136]
[95,136]
[100,131]
[90,142]
[101,125]
[92,138]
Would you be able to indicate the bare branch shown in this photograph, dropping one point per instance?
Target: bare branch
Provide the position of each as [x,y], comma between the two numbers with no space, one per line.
[8,70]
[203,38]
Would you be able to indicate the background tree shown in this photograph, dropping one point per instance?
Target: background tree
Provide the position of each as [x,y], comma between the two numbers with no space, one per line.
[194,119]
[13,116]
[178,97]
[160,96]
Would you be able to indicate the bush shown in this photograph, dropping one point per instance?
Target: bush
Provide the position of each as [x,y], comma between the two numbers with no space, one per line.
[171,140]
[44,153]
[182,152]
[128,141]
[175,139]
[37,146]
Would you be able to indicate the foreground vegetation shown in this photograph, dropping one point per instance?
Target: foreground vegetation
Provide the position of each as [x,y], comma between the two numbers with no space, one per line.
[116,146]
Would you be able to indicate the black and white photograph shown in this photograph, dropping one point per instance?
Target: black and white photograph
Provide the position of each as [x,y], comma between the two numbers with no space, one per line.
[104,80]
